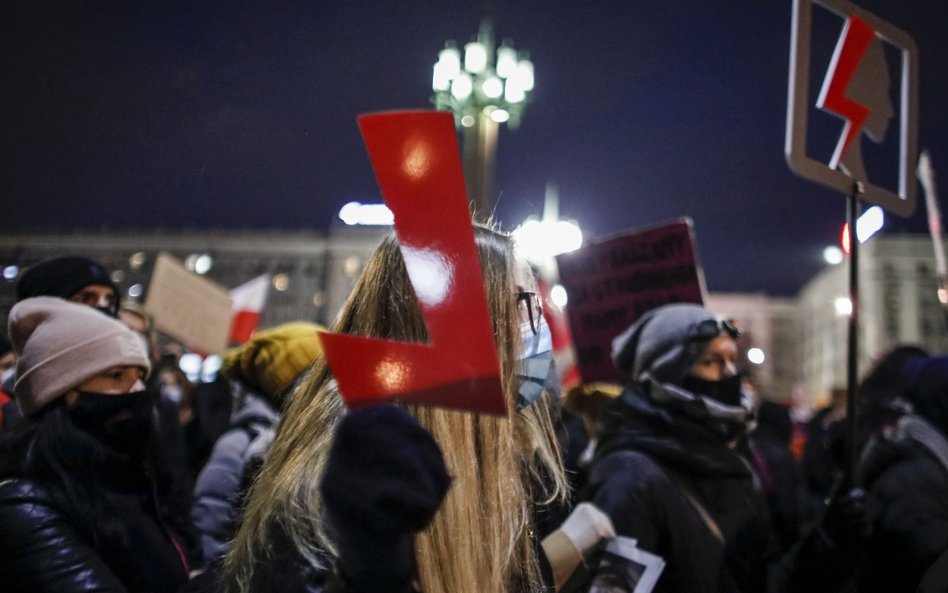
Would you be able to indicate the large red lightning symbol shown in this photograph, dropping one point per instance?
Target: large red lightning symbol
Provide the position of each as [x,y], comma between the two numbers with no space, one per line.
[850,50]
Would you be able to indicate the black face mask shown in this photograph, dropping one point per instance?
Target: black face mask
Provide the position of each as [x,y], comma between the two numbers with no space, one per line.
[121,421]
[727,391]
[107,311]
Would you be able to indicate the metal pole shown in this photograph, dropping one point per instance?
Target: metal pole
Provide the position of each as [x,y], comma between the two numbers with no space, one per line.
[852,359]
[480,153]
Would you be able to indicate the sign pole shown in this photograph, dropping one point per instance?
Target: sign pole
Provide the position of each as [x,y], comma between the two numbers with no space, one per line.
[852,359]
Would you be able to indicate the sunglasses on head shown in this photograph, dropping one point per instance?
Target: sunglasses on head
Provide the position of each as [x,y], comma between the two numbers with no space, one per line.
[712,328]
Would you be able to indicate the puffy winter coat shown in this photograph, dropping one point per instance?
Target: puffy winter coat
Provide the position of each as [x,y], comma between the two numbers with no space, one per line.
[220,487]
[42,548]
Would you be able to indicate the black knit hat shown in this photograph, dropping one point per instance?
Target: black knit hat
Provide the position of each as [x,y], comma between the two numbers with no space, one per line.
[63,277]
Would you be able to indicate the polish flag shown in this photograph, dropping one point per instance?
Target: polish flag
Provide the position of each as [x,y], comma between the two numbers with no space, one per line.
[248,301]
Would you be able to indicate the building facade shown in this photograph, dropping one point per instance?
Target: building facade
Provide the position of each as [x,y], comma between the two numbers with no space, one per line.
[311,273]
[898,290]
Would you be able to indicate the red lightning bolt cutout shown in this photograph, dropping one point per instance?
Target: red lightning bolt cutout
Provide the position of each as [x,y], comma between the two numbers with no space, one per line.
[416,162]
[850,50]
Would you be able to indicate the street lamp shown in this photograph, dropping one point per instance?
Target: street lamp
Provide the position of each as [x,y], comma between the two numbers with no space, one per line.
[484,89]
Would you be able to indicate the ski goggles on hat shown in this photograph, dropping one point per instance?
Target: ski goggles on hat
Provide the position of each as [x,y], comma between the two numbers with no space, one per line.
[712,328]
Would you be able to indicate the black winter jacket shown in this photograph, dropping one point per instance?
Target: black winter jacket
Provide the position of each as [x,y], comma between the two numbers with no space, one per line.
[670,481]
[653,469]
[908,488]
[42,549]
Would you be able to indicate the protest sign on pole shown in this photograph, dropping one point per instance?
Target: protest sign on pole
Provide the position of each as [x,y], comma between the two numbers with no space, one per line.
[856,89]
[418,167]
[187,307]
[611,283]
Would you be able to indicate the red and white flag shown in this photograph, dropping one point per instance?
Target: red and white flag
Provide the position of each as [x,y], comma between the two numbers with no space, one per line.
[248,301]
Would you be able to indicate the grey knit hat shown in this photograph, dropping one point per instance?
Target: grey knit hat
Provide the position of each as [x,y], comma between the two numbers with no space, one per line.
[663,342]
[60,345]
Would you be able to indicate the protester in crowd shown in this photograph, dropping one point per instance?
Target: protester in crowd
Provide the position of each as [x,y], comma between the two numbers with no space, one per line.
[79,489]
[74,278]
[905,471]
[672,469]
[176,393]
[779,474]
[824,454]
[342,495]
[880,400]
[264,369]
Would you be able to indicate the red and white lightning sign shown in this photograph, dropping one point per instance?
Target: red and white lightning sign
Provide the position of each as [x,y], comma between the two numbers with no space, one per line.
[856,89]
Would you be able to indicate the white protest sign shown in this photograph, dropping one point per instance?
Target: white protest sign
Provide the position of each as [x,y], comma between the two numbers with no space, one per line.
[191,309]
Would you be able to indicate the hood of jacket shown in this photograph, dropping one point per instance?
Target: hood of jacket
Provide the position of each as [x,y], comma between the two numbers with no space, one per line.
[634,421]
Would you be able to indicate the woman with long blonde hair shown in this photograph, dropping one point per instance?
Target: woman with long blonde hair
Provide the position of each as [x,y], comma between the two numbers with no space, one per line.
[481,538]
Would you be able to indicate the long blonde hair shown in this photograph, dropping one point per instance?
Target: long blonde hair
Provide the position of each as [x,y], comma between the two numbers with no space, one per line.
[481,538]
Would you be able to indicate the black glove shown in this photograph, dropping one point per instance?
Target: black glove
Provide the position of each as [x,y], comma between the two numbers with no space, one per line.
[384,481]
[847,521]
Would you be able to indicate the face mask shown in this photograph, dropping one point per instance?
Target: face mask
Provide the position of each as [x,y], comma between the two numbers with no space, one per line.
[121,421]
[172,392]
[726,391]
[108,311]
[536,365]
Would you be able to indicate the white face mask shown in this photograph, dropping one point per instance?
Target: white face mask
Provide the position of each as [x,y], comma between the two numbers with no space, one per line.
[172,392]
[7,374]
[536,359]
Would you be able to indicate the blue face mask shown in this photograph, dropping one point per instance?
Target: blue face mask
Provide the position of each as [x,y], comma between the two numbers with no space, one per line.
[536,365]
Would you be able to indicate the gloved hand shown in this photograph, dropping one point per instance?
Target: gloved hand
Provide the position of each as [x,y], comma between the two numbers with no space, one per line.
[586,526]
[384,481]
[847,521]
[579,535]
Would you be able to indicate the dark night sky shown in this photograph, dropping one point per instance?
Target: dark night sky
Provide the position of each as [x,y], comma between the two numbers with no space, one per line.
[197,113]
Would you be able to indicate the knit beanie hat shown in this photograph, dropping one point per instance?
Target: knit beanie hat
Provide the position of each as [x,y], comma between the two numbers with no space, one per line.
[272,360]
[63,277]
[926,388]
[60,345]
[662,342]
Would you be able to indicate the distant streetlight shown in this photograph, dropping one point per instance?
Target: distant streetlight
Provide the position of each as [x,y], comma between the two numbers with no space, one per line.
[833,255]
[486,89]
[540,240]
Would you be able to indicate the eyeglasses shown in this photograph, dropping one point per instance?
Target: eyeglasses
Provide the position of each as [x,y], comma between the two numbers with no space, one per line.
[712,328]
[534,312]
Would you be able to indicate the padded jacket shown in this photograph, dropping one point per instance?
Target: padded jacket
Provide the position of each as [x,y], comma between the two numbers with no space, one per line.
[42,549]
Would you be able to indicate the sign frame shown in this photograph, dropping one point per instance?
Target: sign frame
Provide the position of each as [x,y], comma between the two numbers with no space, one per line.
[904,201]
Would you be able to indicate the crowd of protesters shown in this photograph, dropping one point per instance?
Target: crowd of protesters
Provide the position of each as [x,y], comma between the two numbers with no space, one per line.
[119,474]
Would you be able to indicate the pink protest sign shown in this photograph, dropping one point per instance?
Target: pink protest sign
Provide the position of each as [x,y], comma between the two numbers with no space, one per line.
[611,283]
[416,161]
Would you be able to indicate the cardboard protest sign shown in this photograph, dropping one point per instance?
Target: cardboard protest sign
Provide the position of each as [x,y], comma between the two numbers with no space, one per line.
[416,161]
[611,283]
[187,307]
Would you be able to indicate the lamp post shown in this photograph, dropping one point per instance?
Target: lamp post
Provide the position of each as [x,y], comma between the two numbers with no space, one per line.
[485,89]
